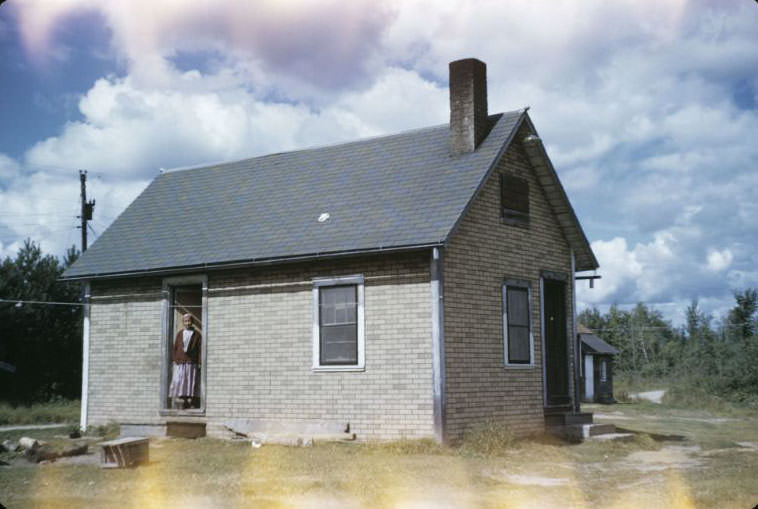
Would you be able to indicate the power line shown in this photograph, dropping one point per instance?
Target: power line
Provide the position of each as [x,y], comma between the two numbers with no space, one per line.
[20,303]
[40,214]
[624,328]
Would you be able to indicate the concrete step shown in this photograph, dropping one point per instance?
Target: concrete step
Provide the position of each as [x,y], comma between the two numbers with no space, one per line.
[578,418]
[581,432]
[568,418]
[613,437]
[554,420]
[601,429]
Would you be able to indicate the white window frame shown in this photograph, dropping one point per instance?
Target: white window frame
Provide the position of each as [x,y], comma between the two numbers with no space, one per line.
[517,283]
[338,281]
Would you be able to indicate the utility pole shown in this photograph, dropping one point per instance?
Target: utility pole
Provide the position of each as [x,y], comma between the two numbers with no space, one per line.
[87,208]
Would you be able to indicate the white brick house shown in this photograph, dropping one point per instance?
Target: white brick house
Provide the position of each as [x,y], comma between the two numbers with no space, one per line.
[410,285]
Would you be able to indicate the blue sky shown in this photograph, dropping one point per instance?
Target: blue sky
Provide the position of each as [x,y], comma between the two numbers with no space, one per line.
[648,109]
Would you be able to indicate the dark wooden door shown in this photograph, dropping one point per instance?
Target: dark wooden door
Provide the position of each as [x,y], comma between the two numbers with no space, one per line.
[556,344]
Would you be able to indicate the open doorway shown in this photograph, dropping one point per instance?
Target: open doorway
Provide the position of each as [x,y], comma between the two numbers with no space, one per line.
[184,347]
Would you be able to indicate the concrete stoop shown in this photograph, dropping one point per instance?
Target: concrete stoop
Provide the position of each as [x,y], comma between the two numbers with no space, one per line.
[578,427]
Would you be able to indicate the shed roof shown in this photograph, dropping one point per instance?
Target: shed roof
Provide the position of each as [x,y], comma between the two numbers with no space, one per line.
[596,345]
[393,192]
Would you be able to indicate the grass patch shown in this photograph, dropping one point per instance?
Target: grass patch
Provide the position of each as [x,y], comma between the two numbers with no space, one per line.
[488,469]
[692,396]
[491,438]
[405,447]
[59,411]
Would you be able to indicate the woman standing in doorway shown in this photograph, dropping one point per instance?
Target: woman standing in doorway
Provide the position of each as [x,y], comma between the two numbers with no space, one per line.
[185,357]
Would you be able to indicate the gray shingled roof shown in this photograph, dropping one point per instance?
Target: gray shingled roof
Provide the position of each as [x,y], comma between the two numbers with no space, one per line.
[391,192]
[597,345]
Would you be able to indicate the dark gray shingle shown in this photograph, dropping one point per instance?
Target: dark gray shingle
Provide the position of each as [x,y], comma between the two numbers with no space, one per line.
[390,192]
[597,345]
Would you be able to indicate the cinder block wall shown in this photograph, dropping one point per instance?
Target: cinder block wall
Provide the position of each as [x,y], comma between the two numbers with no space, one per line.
[261,356]
[482,253]
[125,352]
[259,350]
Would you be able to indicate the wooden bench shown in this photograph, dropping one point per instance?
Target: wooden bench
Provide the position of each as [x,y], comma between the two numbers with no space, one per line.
[124,452]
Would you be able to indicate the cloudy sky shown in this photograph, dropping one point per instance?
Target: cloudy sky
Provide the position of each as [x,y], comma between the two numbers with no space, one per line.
[648,109]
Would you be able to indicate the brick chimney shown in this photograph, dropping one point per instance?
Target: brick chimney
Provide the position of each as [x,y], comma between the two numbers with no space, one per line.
[468,105]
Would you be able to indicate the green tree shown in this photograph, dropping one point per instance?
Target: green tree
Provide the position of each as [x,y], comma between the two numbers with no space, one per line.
[695,358]
[741,319]
[41,341]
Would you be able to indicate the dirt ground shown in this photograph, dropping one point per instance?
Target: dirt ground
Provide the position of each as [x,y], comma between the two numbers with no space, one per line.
[706,461]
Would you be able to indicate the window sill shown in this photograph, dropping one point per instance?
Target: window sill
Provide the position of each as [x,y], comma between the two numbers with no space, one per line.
[337,368]
[190,412]
[515,218]
[519,366]
[518,223]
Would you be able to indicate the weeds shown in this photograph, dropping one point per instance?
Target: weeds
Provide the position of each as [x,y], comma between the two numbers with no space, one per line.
[406,447]
[491,438]
[108,431]
[56,411]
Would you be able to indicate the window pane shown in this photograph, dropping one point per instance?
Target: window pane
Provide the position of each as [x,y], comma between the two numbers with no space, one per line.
[518,345]
[339,344]
[338,305]
[515,194]
[518,309]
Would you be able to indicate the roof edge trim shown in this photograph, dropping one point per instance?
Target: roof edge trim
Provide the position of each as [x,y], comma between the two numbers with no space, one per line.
[248,263]
[585,244]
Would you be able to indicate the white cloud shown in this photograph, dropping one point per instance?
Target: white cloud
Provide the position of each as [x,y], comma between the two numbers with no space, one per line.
[42,207]
[131,131]
[646,107]
[309,45]
[9,169]
[719,260]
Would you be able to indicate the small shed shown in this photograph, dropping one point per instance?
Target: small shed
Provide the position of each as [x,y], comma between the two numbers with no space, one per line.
[596,367]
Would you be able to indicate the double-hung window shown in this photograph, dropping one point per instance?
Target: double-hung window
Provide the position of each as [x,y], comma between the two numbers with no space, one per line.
[517,331]
[338,335]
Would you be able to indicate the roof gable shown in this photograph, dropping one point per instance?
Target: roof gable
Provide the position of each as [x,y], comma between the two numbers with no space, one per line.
[393,192]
